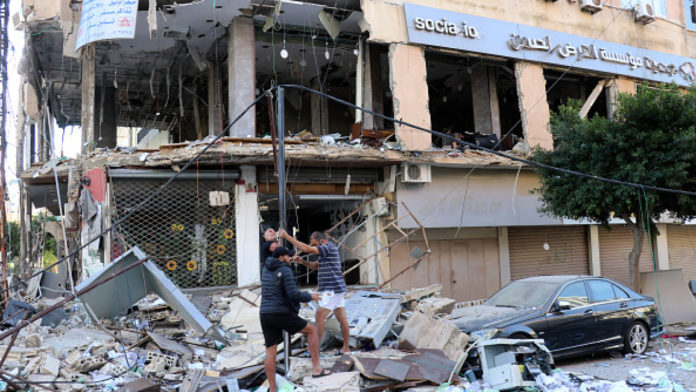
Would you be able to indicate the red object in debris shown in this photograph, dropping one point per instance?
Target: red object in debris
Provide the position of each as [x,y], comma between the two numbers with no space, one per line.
[97,183]
[668,336]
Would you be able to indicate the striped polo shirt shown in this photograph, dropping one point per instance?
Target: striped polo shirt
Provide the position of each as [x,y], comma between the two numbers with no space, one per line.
[330,271]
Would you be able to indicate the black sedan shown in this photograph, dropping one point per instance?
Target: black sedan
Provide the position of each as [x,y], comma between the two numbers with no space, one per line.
[573,314]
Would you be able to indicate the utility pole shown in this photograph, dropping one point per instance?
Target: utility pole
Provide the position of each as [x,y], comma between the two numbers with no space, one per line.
[4,8]
[281,194]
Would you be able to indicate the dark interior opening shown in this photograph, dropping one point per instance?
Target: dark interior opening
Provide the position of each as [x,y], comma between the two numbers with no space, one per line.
[574,86]
[454,85]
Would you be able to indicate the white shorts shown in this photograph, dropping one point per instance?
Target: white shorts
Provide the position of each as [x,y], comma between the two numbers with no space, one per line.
[330,300]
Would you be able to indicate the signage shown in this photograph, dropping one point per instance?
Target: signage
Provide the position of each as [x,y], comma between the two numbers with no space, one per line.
[436,27]
[106,19]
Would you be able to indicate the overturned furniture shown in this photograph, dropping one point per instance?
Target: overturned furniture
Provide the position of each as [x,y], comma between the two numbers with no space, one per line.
[119,294]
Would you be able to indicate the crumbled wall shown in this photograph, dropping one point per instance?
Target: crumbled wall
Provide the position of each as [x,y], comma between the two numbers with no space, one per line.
[534,109]
[407,77]
[41,9]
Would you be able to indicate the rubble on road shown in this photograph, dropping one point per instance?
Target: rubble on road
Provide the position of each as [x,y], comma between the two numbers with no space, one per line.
[141,339]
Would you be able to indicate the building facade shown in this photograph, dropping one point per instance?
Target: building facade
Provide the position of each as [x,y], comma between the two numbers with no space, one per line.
[150,87]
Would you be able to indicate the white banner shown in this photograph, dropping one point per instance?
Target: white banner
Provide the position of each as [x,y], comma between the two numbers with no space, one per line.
[106,19]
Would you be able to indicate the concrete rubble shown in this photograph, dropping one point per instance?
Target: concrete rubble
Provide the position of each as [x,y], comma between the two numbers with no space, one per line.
[401,340]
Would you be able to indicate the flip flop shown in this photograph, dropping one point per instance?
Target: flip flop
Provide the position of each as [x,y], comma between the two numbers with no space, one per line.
[324,373]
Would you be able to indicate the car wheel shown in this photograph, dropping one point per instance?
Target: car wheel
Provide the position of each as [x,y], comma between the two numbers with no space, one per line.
[636,338]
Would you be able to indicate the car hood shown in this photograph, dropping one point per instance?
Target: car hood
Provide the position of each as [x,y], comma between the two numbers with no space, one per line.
[485,316]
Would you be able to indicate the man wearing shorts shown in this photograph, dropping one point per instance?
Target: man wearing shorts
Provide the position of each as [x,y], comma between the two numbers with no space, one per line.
[331,284]
[280,303]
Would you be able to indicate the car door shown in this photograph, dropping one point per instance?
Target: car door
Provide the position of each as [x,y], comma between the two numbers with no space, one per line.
[610,312]
[569,329]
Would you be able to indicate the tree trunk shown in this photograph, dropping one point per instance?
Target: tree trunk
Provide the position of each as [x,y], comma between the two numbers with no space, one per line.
[634,257]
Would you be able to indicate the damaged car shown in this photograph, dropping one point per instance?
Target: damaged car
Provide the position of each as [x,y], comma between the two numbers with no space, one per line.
[574,315]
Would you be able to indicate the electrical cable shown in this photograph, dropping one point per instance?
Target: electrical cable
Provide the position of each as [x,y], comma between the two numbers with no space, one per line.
[494,152]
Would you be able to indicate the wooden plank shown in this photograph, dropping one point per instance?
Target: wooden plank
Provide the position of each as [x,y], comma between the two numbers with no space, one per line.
[592,98]
[342,364]
[392,369]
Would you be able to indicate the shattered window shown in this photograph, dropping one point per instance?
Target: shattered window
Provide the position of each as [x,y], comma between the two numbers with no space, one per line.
[575,294]
[523,295]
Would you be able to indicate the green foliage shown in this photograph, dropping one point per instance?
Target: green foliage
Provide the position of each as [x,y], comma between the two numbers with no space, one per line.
[13,239]
[650,140]
[49,251]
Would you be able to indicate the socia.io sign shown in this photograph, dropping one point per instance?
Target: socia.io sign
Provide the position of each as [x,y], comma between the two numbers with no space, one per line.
[448,29]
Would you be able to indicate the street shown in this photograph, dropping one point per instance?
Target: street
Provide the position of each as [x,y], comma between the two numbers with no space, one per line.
[672,356]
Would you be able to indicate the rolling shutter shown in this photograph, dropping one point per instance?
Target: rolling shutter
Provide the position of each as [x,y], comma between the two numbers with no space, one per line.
[567,253]
[681,240]
[614,247]
[468,269]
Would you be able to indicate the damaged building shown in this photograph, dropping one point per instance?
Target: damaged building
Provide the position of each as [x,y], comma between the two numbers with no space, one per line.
[150,87]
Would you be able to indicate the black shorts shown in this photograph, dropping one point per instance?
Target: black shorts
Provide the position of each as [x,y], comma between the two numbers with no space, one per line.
[273,325]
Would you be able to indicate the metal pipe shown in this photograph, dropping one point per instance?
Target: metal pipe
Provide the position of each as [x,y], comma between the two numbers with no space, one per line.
[67,299]
[282,212]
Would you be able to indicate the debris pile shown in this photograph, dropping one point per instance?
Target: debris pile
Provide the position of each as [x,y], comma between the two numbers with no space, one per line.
[153,337]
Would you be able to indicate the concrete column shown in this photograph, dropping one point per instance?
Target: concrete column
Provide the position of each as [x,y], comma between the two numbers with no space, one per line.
[214,99]
[241,68]
[246,208]
[593,247]
[662,247]
[534,108]
[485,98]
[89,70]
[616,86]
[504,255]
[106,117]
[367,119]
[407,78]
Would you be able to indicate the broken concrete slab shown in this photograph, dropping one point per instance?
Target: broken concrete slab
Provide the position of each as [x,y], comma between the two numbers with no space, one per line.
[432,306]
[243,312]
[76,337]
[336,382]
[140,385]
[421,292]
[51,365]
[169,345]
[422,331]
[111,299]
[33,340]
[370,316]
[302,367]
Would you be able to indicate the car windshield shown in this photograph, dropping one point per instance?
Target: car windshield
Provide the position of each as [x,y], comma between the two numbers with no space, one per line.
[523,295]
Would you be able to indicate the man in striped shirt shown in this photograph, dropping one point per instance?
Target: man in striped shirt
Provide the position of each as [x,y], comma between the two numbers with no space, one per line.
[332,286]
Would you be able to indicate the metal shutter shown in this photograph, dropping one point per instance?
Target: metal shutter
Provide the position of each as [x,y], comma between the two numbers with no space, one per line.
[614,247]
[681,240]
[191,241]
[567,254]
[468,269]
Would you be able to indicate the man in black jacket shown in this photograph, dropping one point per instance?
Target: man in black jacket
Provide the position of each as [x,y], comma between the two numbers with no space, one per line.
[280,303]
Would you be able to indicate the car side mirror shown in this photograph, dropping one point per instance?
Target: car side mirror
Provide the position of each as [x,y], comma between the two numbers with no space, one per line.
[560,306]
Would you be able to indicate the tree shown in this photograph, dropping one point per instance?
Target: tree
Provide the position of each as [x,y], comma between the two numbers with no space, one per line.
[650,140]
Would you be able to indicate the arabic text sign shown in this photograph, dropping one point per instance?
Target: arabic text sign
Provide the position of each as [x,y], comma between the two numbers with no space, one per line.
[106,19]
[435,27]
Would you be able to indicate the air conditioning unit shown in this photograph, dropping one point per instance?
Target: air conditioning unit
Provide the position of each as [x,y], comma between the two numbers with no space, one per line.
[644,12]
[415,172]
[591,6]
